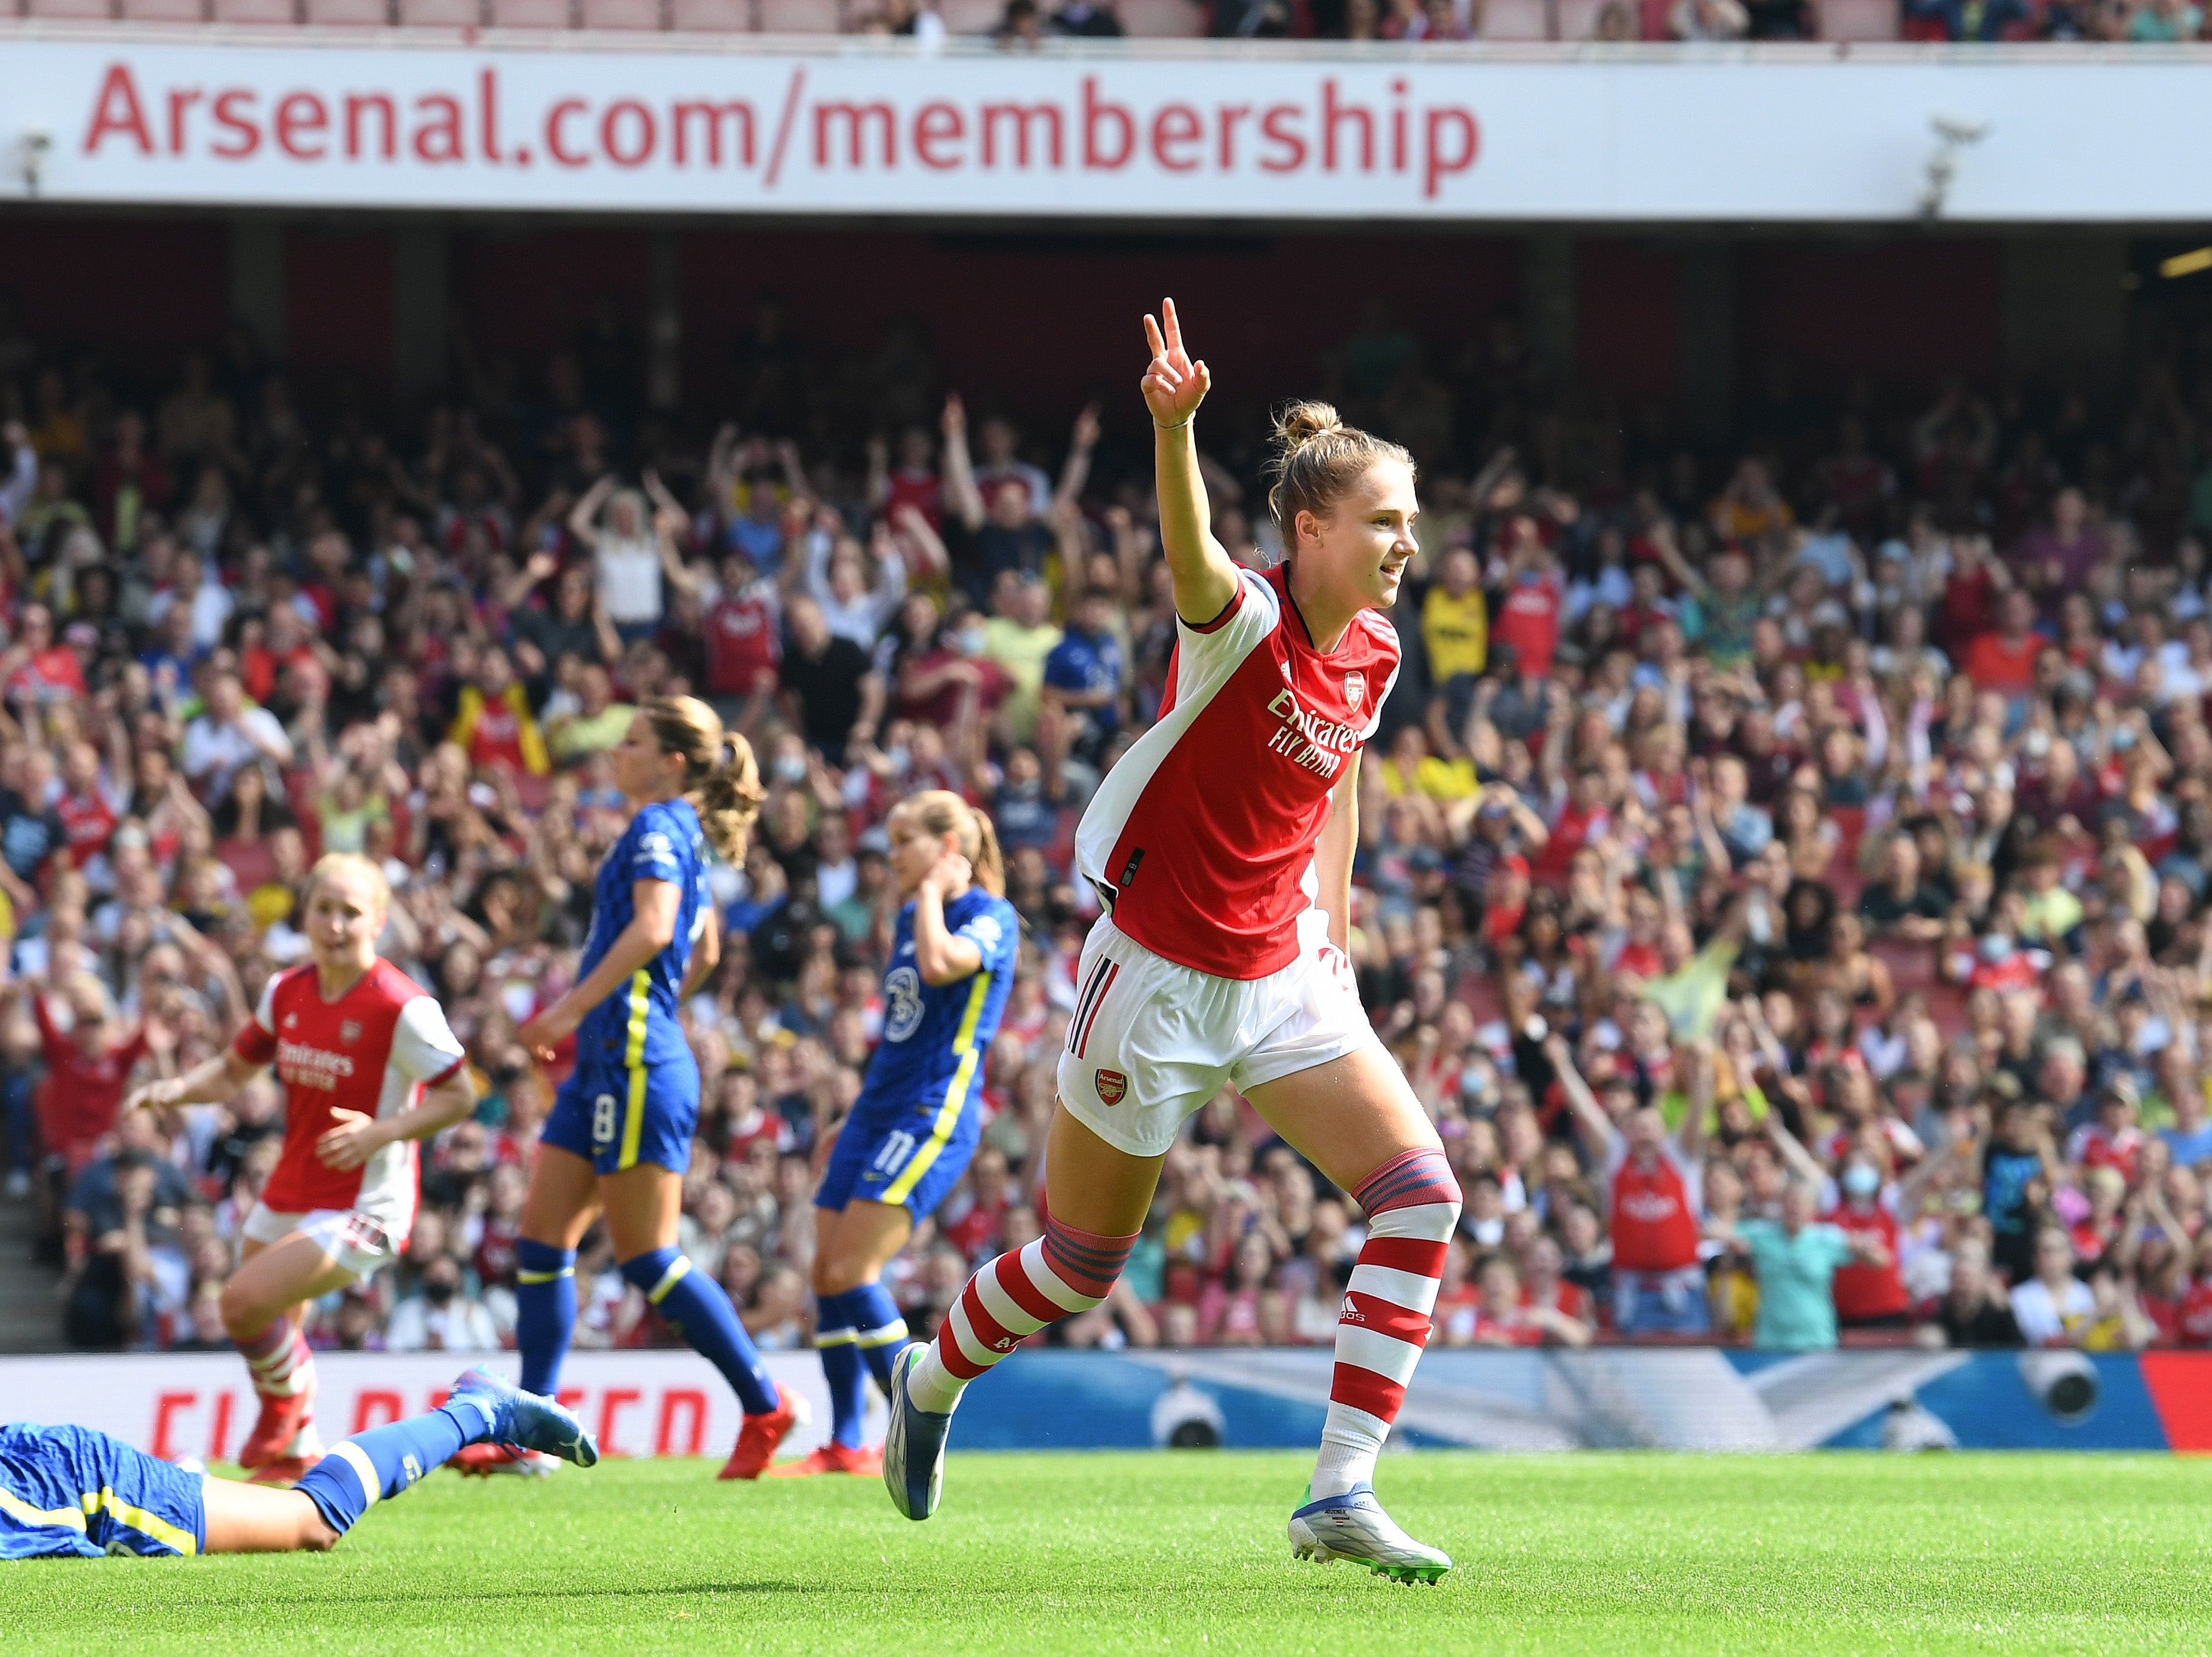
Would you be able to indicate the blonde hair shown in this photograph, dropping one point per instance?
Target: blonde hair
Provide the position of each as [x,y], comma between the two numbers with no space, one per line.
[721,779]
[941,811]
[1316,460]
[333,863]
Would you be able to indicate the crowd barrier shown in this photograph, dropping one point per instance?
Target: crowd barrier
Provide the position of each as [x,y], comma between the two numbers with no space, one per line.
[671,1403]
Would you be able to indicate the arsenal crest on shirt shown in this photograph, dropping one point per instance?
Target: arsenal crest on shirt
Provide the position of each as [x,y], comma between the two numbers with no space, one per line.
[349,1032]
[1355,689]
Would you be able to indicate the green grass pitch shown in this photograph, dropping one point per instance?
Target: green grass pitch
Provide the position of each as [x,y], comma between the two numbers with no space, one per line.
[1185,1553]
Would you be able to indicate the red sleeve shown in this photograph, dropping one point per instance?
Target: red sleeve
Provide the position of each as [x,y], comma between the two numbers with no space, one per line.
[53,1041]
[254,1044]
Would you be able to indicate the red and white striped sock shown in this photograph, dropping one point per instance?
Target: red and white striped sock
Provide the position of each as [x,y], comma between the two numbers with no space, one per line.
[1062,1273]
[279,1360]
[1412,1206]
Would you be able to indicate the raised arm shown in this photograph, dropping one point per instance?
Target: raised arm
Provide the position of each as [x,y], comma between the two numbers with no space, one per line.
[1174,386]
[962,497]
[1597,1129]
[584,515]
[1077,472]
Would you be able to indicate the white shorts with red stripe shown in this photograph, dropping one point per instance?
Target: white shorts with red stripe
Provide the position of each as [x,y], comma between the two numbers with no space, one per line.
[1151,1041]
[360,1243]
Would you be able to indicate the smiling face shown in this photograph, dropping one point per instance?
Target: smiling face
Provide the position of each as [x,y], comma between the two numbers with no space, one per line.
[345,914]
[1360,550]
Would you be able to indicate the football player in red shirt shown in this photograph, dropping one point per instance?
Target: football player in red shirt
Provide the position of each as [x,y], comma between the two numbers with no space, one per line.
[1221,844]
[369,1067]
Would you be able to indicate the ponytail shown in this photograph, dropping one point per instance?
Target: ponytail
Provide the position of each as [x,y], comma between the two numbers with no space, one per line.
[988,861]
[721,779]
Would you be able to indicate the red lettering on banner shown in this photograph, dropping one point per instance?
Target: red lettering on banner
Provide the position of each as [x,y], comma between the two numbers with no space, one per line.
[646,132]
[741,114]
[935,124]
[1119,113]
[1438,164]
[116,110]
[1398,129]
[553,118]
[385,1404]
[612,1402]
[1176,124]
[357,105]
[219,1440]
[437,1397]
[877,115]
[1231,114]
[1021,115]
[180,99]
[687,1398]
[166,1406]
[227,115]
[1274,126]
[1332,113]
[570,1398]
[447,128]
[488,112]
[300,114]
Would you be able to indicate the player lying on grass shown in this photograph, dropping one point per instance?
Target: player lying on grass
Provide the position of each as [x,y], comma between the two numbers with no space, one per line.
[1221,844]
[70,1491]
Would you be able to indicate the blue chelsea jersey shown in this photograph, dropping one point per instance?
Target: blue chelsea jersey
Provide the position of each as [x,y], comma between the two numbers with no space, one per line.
[935,1035]
[636,1024]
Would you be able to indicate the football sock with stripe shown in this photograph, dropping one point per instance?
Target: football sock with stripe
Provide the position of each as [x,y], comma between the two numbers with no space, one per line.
[859,1332]
[360,1471]
[878,1330]
[544,1312]
[278,1359]
[1411,1204]
[837,1341]
[697,1310]
[1062,1273]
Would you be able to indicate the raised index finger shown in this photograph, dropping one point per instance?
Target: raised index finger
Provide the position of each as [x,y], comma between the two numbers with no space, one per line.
[1174,324]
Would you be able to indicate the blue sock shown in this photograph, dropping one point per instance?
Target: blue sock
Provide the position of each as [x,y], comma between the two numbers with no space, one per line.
[544,1312]
[701,1313]
[877,1329]
[360,1471]
[840,1367]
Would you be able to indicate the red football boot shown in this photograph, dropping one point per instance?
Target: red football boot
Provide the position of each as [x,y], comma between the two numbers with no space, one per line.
[280,1423]
[761,1437]
[492,1461]
[834,1457]
[283,1471]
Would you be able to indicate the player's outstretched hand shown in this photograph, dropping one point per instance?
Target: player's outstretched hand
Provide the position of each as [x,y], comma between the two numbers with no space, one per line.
[157,1095]
[1173,385]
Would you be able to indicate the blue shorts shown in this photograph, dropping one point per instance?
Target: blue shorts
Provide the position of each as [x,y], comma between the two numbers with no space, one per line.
[895,1155]
[618,1115]
[69,1490]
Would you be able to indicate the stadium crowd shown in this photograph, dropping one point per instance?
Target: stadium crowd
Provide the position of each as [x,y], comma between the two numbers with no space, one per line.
[1784,875]
[1026,24]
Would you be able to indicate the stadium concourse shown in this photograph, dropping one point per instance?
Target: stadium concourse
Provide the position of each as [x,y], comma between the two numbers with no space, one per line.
[1836,788]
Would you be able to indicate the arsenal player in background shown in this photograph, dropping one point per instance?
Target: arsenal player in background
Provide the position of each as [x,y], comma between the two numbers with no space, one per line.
[369,1067]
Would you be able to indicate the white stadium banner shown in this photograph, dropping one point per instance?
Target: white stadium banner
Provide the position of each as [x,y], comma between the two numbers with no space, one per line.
[639,1404]
[2042,135]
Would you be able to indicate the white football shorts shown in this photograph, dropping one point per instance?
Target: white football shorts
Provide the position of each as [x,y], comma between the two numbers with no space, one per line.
[357,1242]
[1151,1041]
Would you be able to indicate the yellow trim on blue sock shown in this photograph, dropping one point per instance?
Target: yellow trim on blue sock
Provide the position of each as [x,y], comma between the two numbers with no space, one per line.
[678,1269]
